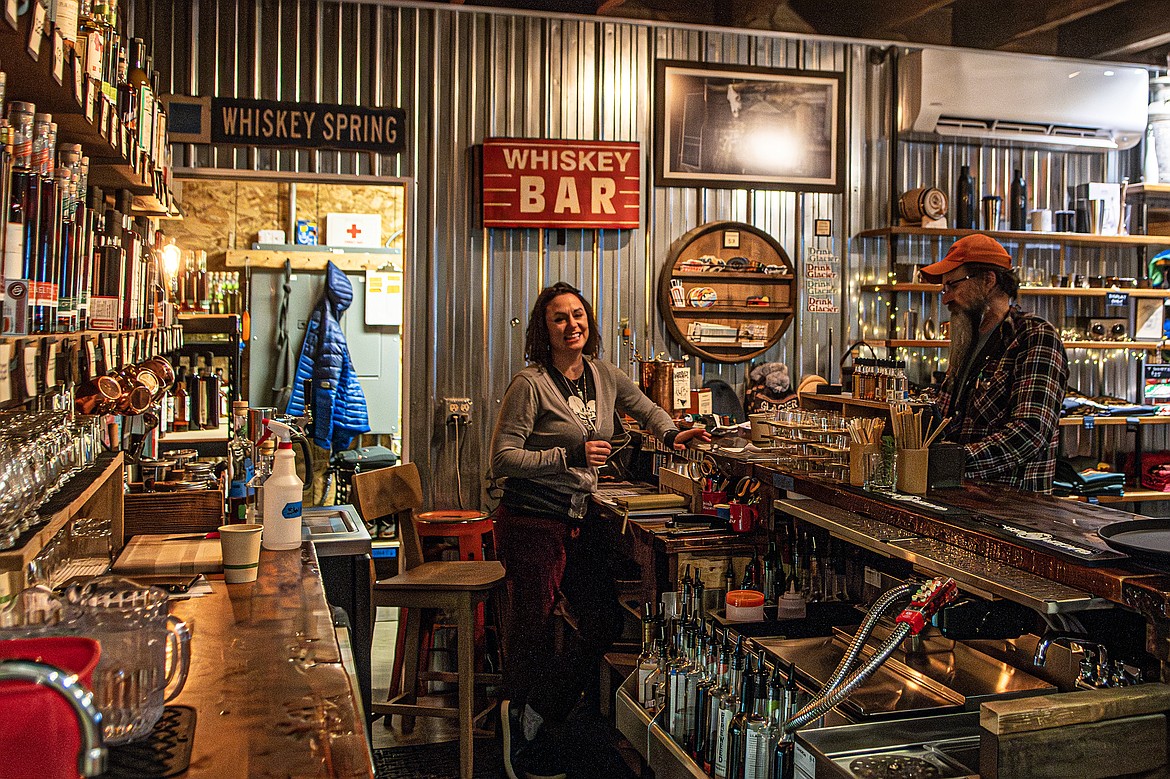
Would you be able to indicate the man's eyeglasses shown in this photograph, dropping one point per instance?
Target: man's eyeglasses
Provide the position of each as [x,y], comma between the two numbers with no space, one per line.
[950,285]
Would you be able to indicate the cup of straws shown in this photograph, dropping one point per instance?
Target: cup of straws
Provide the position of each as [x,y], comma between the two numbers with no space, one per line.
[865,438]
[913,435]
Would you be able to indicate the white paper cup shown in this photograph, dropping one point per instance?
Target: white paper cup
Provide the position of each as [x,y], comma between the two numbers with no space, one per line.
[241,552]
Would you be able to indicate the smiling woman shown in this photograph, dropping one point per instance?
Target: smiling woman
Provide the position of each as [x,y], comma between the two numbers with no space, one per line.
[553,431]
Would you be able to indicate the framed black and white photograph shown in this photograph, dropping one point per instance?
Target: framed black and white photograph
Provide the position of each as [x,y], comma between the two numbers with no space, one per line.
[740,127]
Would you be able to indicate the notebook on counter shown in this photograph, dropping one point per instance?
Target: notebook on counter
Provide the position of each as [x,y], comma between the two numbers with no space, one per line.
[171,553]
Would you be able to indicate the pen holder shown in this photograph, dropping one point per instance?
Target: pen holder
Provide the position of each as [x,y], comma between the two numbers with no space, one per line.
[858,462]
[912,470]
[743,517]
[711,499]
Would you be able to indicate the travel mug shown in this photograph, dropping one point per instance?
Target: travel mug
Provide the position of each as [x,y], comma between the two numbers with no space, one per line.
[992,210]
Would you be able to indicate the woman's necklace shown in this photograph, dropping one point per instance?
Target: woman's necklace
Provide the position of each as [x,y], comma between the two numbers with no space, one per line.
[578,399]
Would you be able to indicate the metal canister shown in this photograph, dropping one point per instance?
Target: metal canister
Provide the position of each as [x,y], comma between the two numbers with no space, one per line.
[657,381]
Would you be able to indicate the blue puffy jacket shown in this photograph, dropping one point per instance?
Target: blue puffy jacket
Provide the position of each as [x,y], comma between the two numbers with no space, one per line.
[339,405]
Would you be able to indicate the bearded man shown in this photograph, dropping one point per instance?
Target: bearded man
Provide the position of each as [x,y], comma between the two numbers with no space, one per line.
[1008,371]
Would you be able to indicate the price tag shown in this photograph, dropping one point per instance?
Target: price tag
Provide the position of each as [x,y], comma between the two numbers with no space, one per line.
[1132,424]
[91,352]
[78,80]
[58,58]
[111,356]
[5,372]
[37,31]
[87,99]
[10,12]
[783,481]
[30,369]
[51,365]
[1089,422]
[1117,298]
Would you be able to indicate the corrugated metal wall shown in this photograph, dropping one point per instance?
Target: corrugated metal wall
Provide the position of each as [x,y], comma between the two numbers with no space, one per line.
[463,75]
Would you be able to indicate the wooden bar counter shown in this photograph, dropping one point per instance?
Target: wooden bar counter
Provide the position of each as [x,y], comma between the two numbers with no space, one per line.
[266,680]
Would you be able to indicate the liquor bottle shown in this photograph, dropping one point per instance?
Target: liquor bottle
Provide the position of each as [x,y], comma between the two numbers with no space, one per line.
[695,673]
[41,162]
[69,168]
[702,726]
[22,189]
[727,709]
[1019,204]
[715,699]
[676,671]
[203,289]
[94,210]
[758,748]
[737,731]
[182,403]
[240,467]
[648,660]
[965,200]
[105,302]
[771,572]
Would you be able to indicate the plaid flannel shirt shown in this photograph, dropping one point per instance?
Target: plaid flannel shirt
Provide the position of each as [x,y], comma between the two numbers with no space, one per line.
[1007,413]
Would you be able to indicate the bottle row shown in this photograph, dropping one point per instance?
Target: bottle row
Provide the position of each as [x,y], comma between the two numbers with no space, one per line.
[71,262]
[717,701]
[195,289]
[113,75]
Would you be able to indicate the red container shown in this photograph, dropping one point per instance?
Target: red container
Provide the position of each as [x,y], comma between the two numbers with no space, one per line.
[39,738]
[710,499]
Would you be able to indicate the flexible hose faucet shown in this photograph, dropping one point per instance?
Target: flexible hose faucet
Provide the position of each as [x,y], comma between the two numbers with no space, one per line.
[91,761]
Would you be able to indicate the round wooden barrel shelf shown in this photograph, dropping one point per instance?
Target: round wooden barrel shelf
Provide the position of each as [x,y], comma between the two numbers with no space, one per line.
[726,242]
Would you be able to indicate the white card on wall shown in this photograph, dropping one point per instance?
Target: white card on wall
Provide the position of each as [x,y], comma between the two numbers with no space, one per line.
[384,297]
[682,388]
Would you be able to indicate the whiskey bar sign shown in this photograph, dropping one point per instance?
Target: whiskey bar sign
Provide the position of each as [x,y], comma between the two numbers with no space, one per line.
[555,183]
[246,122]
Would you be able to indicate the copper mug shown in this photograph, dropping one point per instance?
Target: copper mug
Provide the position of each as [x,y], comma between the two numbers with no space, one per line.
[162,370]
[98,395]
[134,397]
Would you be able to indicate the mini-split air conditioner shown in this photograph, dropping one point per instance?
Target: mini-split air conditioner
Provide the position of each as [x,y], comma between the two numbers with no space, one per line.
[1022,99]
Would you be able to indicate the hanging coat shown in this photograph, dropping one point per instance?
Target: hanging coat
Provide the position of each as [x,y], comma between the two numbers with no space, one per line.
[339,405]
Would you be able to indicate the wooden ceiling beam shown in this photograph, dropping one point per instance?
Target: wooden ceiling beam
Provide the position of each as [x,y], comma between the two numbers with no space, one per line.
[863,18]
[996,24]
[1121,31]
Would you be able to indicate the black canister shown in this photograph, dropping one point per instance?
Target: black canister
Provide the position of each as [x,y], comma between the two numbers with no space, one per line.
[1018,214]
[965,200]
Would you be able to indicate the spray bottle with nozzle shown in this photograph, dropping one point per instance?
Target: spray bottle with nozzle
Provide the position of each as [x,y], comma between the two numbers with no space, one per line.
[282,494]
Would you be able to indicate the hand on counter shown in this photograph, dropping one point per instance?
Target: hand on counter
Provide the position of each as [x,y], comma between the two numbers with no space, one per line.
[680,440]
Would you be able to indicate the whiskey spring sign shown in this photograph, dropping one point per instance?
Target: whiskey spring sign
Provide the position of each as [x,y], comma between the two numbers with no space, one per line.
[245,122]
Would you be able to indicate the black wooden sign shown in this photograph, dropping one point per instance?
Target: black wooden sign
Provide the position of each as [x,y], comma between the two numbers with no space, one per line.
[307,125]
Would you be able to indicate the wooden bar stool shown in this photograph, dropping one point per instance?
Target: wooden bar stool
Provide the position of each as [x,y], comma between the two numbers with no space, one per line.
[459,587]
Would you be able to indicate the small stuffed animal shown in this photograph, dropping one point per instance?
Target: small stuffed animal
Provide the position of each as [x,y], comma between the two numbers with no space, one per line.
[769,388]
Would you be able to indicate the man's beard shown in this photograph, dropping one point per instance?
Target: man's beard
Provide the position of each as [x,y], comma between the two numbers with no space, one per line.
[965,333]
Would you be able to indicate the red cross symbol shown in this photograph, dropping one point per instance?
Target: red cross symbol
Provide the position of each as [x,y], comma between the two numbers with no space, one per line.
[354,232]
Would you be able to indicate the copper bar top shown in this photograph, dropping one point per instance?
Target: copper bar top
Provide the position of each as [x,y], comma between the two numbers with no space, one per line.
[271,696]
[1125,581]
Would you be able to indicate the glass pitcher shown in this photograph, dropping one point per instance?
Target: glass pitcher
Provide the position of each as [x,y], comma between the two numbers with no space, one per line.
[145,651]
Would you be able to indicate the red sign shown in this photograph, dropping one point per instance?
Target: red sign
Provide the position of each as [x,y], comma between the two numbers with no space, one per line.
[539,183]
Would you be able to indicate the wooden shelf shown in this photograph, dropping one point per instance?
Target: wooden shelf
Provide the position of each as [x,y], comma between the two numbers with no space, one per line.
[1098,421]
[1016,236]
[65,505]
[76,335]
[302,260]
[33,81]
[740,278]
[1148,346]
[1134,495]
[718,310]
[1080,292]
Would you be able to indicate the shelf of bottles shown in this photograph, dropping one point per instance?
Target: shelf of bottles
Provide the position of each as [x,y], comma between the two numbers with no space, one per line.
[75,60]
[704,702]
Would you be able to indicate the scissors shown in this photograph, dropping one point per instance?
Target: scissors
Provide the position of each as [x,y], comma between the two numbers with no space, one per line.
[747,490]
